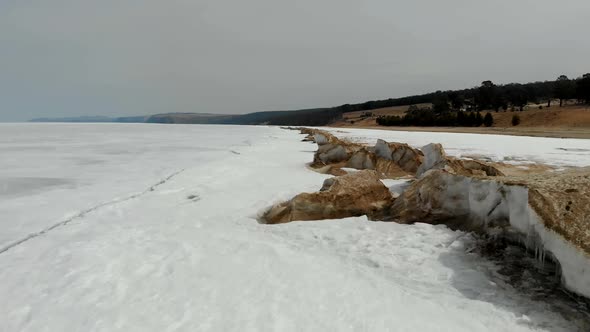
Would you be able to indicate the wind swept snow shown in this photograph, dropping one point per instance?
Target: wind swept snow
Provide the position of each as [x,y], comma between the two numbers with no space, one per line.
[190,256]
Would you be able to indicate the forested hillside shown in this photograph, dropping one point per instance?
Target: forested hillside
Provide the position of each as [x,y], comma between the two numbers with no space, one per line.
[445,105]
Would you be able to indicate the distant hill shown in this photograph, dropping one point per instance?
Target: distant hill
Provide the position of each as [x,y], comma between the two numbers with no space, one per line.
[487,96]
[94,119]
[308,117]
[76,119]
[131,119]
[157,118]
[188,118]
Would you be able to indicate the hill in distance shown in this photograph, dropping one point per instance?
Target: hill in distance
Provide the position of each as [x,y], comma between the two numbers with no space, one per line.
[309,117]
[94,119]
[486,97]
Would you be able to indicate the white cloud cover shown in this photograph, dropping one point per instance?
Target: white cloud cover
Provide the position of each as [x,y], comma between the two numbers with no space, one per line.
[139,57]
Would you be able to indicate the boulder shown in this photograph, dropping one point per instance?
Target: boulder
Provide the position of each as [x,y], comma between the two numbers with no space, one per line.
[440,197]
[331,153]
[355,194]
[435,158]
[403,155]
[386,168]
[361,159]
[321,138]
[390,160]
[477,167]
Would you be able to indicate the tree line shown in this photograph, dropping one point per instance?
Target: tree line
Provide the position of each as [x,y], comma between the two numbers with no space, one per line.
[462,108]
[426,117]
[487,96]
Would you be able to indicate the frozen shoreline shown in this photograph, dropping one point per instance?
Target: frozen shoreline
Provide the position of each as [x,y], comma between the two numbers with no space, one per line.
[466,195]
[166,261]
[512,149]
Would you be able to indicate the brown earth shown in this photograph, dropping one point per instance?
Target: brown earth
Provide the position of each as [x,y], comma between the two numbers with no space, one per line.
[395,110]
[570,121]
[562,201]
[350,195]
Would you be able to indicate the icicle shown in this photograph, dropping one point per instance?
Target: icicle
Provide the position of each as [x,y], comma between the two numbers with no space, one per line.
[544,255]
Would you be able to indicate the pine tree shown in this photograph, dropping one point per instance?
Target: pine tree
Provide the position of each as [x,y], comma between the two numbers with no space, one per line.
[488,120]
[478,120]
[515,120]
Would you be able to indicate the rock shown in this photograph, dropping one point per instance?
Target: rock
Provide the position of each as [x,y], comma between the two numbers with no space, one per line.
[365,159]
[389,169]
[331,153]
[562,201]
[440,197]
[403,155]
[390,160]
[331,150]
[435,158]
[333,169]
[361,159]
[321,139]
[308,138]
[477,167]
[355,194]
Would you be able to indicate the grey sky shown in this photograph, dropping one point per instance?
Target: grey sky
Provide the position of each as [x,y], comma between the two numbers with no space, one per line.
[115,57]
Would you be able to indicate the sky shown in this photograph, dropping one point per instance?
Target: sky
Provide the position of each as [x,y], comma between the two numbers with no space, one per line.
[135,57]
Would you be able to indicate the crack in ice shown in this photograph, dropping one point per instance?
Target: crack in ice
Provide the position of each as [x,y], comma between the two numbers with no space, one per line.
[87,211]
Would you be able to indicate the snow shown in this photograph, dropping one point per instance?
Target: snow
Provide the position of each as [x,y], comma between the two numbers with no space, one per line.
[166,240]
[510,149]
[396,186]
[350,170]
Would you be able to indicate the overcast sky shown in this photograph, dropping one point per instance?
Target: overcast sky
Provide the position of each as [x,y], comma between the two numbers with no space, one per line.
[132,57]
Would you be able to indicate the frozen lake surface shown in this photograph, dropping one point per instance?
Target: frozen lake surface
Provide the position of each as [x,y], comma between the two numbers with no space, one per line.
[117,227]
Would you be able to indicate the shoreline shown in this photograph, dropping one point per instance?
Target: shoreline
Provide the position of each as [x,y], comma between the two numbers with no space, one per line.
[487,197]
[579,133]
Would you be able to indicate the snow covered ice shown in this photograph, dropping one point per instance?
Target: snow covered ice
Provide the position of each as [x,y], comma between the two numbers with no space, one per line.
[155,230]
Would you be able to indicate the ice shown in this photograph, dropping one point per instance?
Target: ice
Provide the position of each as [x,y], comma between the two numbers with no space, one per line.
[13,187]
[190,256]
[575,265]
[396,186]
[510,149]
[349,170]
[54,171]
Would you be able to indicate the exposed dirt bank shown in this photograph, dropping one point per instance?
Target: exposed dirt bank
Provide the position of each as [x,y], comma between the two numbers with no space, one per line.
[555,132]
[571,121]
